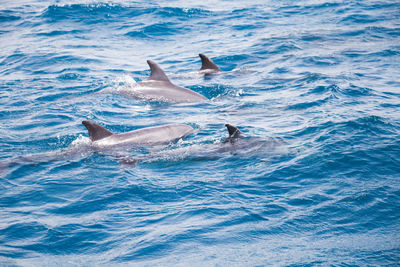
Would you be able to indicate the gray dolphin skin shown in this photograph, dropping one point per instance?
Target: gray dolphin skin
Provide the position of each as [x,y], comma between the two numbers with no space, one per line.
[207,65]
[235,144]
[233,131]
[101,137]
[158,87]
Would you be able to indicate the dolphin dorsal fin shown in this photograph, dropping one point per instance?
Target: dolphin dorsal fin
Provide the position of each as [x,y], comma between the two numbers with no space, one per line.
[207,63]
[233,131]
[157,73]
[96,132]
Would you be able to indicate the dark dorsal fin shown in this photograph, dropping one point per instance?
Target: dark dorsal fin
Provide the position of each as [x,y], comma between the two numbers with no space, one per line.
[207,63]
[233,131]
[157,73]
[96,132]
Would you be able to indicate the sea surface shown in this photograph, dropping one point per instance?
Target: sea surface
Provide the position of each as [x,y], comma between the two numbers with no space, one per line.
[313,85]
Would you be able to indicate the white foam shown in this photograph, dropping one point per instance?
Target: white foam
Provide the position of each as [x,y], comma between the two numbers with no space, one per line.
[81,141]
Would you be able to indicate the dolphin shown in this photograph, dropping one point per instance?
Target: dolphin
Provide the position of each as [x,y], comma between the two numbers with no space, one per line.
[104,141]
[235,144]
[158,87]
[164,134]
[208,66]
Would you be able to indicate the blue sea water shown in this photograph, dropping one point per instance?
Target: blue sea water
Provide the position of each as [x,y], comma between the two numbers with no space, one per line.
[321,77]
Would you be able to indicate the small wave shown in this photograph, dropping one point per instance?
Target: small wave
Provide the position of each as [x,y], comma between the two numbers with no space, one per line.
[41,63]
[156,30]
[385,53]
[365,126]
[101,12]
[59,32]
[307,9]
[371,32]
[357,91]
[168,12]
[306,105]
[244,27]
[14,58]
[8,15]
[93,12]
[68,76]
[215,90]
[359,19]
[369,125]
[320,61]
[334,90]
[331,89]
[311,77]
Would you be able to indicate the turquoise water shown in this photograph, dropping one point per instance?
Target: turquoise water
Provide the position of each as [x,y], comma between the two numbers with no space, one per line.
[313,85]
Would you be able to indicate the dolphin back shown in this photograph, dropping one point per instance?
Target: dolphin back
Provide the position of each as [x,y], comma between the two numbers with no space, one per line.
[96,132]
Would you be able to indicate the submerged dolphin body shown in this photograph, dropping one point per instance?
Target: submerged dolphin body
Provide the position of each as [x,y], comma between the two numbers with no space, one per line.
[236,144]
[165,134]
[158,87]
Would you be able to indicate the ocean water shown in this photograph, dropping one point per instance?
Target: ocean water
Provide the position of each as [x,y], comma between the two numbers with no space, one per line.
[313,85]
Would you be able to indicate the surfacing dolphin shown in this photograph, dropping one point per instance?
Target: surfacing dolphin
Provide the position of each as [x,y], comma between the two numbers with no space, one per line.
[158,87]
[208,67]
[235,144]
[104,141]
[164,134]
